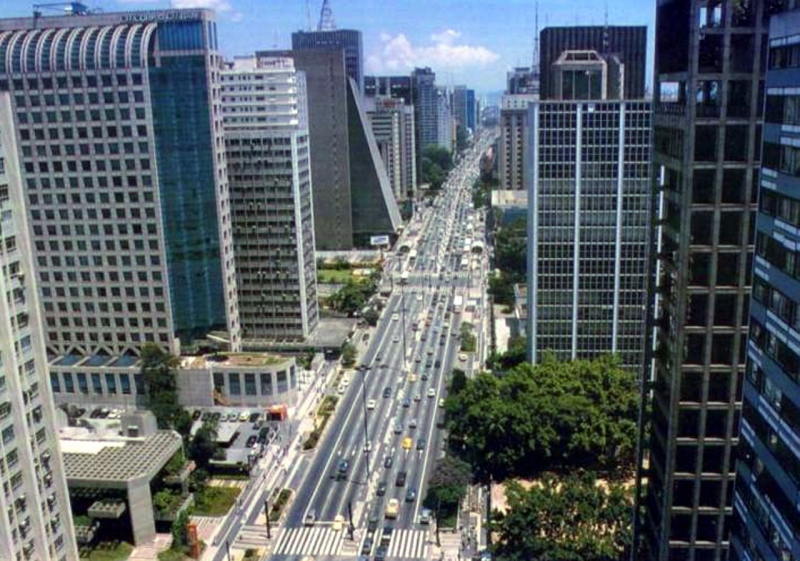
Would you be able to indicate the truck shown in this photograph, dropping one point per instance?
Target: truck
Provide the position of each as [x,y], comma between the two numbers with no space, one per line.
[458,304]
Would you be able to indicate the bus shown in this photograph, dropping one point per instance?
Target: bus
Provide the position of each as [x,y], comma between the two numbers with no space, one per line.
[412,256]
[458,303]
[404,277]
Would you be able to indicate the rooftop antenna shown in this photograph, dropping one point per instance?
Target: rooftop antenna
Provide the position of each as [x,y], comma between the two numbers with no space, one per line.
[308,15]
[326,22]
[605,29]
[535,67]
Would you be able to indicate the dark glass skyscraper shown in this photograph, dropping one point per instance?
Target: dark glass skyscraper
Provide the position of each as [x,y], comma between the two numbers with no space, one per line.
[629,43]
[766,522]
[708,98]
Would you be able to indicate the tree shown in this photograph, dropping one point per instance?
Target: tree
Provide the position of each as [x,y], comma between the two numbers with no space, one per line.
[203,446]
[161,387]
[511,250]
[515,354]
[447,486]
[436,163]
[348,354]
[555,415]
[569,518]
[180,534]
[371,316]
[458,381]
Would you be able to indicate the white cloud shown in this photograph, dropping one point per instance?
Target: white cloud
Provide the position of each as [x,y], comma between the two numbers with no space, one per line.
[398,54]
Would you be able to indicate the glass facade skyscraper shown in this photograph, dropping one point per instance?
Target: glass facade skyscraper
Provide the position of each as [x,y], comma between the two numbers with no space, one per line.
[123,166]
[766,522]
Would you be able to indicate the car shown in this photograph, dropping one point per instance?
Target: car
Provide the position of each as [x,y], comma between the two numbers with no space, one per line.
[338,523]
[406,403]
[411,494]
[398,427]
[254,417]
[412,377]
[395,316]
[396,339]
[419,297]
[412,424]
[417,358]
[425,516]
[243,416]
[437,364]
[381,489]
[442,342]
[341,389]
[310,517]
[420,444]
[372,523]
[462,357]
[417,397]
[371,404]
[380,553]
[407,443]
[232,416]
[425,376]
[251,441]
[204,417]
[431,392]
[262,434]
[441,402]
[366,547]
[196,414]
[392,508]
[400,480]
[342,468]
[430,352]
[368,447]
[429,364]
[387,462]
[378,358]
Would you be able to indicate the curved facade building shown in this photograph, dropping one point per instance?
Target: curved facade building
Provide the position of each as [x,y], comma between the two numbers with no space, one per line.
[123,166]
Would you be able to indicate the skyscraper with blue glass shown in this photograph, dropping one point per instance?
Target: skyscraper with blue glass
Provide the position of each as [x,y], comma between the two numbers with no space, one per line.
[123,166]
[766,522]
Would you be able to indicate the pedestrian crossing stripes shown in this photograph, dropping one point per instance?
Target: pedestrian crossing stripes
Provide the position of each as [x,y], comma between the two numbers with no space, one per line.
[319,540]
[252,536]
[408,544]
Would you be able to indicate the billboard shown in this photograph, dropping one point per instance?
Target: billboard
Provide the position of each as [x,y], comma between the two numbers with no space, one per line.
[378,240]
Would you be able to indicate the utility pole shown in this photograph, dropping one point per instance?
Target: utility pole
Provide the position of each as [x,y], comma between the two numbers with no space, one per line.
[403,313]
[350,515]
[363,368]
[266,516]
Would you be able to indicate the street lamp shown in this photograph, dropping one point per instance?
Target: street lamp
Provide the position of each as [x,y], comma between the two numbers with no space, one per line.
[363,368]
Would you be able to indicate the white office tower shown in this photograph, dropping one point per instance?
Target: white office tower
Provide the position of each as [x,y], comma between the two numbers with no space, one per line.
[392,124]
[266,137]
[35,520]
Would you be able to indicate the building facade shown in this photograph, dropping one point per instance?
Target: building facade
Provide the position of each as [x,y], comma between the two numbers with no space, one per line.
[514,135]
[588,205]
[445,123]
[123,166]
[348,40]
[266,137]
[708,99]
[628,42]
[35,516]
[766,523]
[426,110]
[392,124]
[396,87]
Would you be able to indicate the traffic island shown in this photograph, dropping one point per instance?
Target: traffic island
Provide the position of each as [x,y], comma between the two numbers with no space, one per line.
[321,417]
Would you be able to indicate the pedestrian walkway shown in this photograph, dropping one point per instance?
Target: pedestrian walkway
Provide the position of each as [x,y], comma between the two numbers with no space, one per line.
[408,544]
[205,526]
[252,536]
[319,540]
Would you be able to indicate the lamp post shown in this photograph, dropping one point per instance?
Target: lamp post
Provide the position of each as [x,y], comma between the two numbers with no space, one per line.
[266,515]
[363,368]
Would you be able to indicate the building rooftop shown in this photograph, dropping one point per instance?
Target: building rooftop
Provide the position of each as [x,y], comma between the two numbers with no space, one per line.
[89,458]
[232,359]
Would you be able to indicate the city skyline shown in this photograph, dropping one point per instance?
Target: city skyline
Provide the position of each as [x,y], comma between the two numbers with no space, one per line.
[472,43]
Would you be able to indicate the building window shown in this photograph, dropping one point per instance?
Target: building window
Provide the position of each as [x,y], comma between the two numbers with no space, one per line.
[55,383]
[125,383]
[266,383]
[97,386]
[83,385]
[234,383]
[111,384]
[250,384]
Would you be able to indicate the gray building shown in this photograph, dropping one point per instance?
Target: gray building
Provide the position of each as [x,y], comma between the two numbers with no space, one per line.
[445,123]
[396,87]
[123,165]
[707,126]
[459,105]
[352,196]
[392,124]
[347,40]
[267,140]
[514,135]
[588,209]
[35,517]
[426,109]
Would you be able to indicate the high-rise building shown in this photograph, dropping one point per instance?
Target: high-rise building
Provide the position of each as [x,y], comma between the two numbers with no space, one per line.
[396,87]
[766,523]
[629,43]
[514,135]
[472,110]
[588,209]
[392,124]
[459,105]
[445,123]
[522,80]
[266,137]
[425,95]
[123,167]
[352,196]
[708,97]
[348,40]
[35,517]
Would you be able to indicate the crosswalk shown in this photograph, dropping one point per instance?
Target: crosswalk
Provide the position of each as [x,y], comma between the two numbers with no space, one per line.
[252,536]
[319,540]
[408,544]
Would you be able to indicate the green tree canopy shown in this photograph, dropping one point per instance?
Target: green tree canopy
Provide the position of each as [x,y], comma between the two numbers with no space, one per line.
[511,250]
[348,354]
[568,518]
[158,371]
[436,163]
[555,415]
[447,486]
[203,446]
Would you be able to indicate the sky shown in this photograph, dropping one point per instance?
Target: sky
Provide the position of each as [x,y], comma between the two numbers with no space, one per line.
[471,42]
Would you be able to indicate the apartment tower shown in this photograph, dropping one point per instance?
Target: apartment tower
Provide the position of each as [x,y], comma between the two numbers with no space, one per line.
[35,516]
[708,99]
[267,141]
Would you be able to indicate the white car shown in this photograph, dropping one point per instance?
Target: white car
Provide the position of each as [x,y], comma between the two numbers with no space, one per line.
[371,404]
[395,316]
[462,357]
[338,523]
[431,392]
[243,416]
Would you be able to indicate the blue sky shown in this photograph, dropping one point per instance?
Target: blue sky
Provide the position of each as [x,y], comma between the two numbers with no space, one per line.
[471,42]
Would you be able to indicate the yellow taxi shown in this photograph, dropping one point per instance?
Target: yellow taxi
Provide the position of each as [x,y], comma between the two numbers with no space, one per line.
[407,443]
[412,377]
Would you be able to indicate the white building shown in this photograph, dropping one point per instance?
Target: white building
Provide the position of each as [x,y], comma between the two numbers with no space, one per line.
[267,141]
[393,126]
[513,139]
[35,519]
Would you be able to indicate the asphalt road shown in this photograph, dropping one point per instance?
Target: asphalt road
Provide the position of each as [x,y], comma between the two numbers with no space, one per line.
[417,335]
